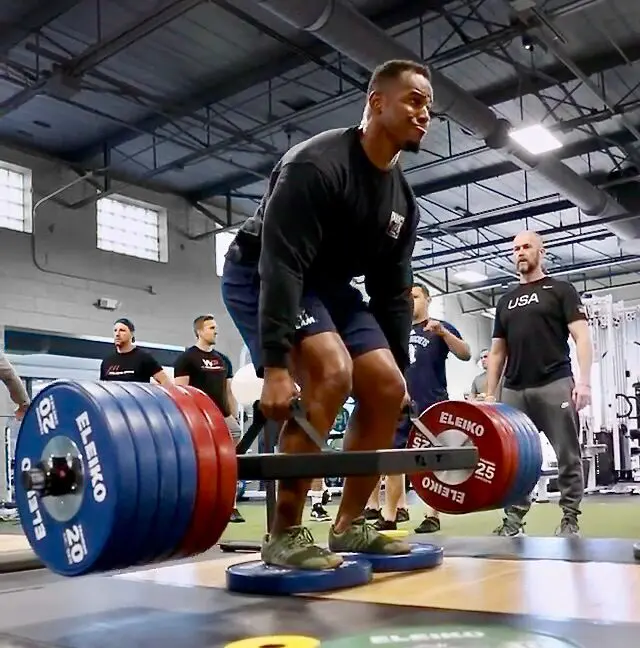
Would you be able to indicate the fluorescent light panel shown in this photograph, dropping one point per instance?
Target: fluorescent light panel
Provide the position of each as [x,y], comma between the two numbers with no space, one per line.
[536,139]
[470,276]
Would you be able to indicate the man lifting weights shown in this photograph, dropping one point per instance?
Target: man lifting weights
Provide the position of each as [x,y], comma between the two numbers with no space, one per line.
[205,368]
[338,206]
[531,329]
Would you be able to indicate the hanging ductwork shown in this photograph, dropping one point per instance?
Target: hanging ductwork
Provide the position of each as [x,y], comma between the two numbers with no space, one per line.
[347,31]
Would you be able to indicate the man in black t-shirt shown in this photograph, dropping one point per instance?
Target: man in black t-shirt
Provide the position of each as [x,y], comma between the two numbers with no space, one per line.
[203,367]
[129,363]
[337,207]
[531,330]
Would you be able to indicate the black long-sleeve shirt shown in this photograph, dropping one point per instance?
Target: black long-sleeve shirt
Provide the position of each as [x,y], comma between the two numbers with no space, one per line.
[330,215]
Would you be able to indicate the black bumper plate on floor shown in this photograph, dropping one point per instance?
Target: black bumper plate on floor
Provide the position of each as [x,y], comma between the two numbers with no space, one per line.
[530,548]
[333,622]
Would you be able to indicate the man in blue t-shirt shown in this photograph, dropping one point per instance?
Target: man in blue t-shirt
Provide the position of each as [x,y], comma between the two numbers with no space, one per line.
[430,342]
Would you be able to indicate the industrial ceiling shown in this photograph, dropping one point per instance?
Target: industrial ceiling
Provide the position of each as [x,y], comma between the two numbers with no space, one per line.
[201,98]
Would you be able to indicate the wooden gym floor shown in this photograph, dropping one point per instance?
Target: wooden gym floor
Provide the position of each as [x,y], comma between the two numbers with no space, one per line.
[524,586]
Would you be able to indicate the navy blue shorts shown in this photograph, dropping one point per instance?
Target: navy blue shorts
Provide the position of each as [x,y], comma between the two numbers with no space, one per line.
[343,312]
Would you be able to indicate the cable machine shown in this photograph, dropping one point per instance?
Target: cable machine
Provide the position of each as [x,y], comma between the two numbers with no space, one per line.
[614,416]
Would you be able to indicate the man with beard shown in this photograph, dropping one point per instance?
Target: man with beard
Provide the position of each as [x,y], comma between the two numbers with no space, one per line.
[531,329]
[337,207]
[210,371]
[129,363]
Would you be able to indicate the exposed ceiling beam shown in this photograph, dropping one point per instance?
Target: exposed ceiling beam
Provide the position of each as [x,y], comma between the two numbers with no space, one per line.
[32,20]
[537,81]
[231,183]
[69,74]
[583,147]
[464,257]
[532,81]
[506,215]
[216,90]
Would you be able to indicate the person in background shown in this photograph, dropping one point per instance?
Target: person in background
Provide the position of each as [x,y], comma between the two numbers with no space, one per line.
[320,496]
[129,363]
[479,385]
[430,342]
[531,330]
[478,391]
[15,386]
[210,371]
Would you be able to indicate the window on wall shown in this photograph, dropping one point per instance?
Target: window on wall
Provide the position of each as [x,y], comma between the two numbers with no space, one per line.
[15,198]
[223,241]
[134,228]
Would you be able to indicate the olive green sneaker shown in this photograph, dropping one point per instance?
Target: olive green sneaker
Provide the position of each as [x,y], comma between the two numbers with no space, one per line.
[361,537]
[295,549]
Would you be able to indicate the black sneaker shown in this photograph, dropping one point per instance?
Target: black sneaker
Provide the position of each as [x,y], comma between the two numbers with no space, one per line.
[319,513]
[236,516]
[430,524]
[372,514]
[384,525]
[402,515]
[326,497]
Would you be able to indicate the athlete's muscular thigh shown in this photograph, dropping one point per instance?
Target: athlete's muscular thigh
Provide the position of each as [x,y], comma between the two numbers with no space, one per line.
[322,361]
[378,383]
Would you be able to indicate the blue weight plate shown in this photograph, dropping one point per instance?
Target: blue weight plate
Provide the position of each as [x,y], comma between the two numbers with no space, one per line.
[535,445]
[148,473]
[517,478]
[257,578]
[520,489]
[520,478]
[187,465]
[422,556]
[159,543]
[119,548]
[525,443]
[77,534]
[528,439]
[536,451]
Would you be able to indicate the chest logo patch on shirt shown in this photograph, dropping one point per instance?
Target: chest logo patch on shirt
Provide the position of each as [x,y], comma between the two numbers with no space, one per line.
[211,364]
[523,300]
[117,370]
[396,221]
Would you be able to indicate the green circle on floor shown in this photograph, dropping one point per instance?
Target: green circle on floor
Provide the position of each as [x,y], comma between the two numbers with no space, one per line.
[451,636]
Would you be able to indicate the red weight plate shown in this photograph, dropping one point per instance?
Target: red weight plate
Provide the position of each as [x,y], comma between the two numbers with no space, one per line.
[227,465]
[512,458]
[207,466]
[458,423]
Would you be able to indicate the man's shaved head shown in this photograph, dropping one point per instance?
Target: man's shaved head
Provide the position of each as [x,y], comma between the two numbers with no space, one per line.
[531,237]
[528,252]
